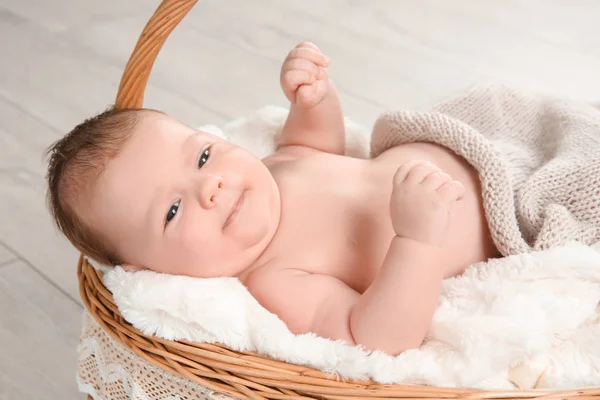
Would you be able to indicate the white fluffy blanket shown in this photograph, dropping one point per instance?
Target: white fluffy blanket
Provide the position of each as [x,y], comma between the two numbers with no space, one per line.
[527,321]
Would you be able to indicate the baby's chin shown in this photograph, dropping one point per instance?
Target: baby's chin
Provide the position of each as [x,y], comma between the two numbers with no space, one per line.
[254,235]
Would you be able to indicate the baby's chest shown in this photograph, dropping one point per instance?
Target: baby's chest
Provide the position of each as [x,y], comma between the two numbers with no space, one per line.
[334,223]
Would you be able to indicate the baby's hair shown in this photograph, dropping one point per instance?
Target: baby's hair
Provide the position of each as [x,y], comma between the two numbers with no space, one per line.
[76,162]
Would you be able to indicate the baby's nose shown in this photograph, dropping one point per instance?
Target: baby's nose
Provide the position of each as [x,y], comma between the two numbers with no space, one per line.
[209,190]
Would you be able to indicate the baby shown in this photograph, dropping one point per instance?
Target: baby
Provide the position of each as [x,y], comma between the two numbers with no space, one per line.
[346,248]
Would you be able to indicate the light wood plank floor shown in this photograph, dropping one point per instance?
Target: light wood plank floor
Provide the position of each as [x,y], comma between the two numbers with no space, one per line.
[61,60]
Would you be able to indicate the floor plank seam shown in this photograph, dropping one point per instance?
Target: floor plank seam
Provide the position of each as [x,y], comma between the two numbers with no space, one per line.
[9,261]
[29,114]
[112,61]
[43,276]
[60,36]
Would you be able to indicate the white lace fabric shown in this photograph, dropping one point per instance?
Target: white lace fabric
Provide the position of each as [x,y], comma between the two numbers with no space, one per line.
[109,371]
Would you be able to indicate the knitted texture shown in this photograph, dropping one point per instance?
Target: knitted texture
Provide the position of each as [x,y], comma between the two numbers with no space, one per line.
[538,160]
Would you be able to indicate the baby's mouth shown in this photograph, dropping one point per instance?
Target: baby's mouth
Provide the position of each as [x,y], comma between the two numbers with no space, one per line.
[234,210]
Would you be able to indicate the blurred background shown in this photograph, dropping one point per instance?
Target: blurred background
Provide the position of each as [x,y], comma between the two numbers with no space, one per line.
[61,61]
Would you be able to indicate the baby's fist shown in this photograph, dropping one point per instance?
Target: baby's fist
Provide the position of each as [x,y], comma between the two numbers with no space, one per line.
[304,77]
[422,198]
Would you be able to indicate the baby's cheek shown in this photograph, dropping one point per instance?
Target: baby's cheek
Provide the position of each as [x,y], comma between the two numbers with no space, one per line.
[191,239]
[199,241]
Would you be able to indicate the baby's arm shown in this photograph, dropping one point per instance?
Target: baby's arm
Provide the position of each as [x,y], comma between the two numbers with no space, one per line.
[315,120]
[395,313]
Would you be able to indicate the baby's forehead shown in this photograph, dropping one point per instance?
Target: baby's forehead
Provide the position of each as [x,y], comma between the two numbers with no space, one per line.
[166,125]
[151,118]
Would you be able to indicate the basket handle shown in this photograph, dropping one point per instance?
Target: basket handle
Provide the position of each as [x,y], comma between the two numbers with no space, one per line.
[135,77]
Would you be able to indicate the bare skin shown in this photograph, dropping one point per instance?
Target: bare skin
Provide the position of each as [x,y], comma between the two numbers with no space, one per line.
[346,248]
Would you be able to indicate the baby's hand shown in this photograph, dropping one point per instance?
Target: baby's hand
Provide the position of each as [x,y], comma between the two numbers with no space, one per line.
[421,201]
[304,77]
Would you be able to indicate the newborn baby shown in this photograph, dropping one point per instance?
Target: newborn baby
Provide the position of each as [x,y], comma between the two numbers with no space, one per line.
[346,248]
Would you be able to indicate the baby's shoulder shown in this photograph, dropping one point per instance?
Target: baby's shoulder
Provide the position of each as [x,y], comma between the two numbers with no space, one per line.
[271,275]
[280,291]
[299,298]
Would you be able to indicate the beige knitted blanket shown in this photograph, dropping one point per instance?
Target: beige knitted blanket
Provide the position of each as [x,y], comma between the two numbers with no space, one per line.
[538,160]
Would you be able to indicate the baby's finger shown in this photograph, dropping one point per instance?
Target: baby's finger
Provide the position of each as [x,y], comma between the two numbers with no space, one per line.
[309,45]
[303,65]
[402,172]
[420,172]
[436,180]
[309,54]
[452,190]
[294,78]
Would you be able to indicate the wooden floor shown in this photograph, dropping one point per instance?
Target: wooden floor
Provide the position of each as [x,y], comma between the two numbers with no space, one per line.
[61,60]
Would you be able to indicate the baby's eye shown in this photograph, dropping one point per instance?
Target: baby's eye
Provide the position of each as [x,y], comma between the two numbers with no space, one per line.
[203,158]
[172,212]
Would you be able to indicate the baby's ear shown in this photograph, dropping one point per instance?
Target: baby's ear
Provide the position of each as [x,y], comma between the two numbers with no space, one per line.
[131,267]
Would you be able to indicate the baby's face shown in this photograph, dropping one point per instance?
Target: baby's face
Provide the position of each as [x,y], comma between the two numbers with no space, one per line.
[180,201]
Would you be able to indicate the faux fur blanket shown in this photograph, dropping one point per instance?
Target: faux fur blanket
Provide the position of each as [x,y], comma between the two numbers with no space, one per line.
[538,160]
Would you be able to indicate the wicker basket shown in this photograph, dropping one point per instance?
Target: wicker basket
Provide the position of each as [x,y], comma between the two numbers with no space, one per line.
[217,368]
